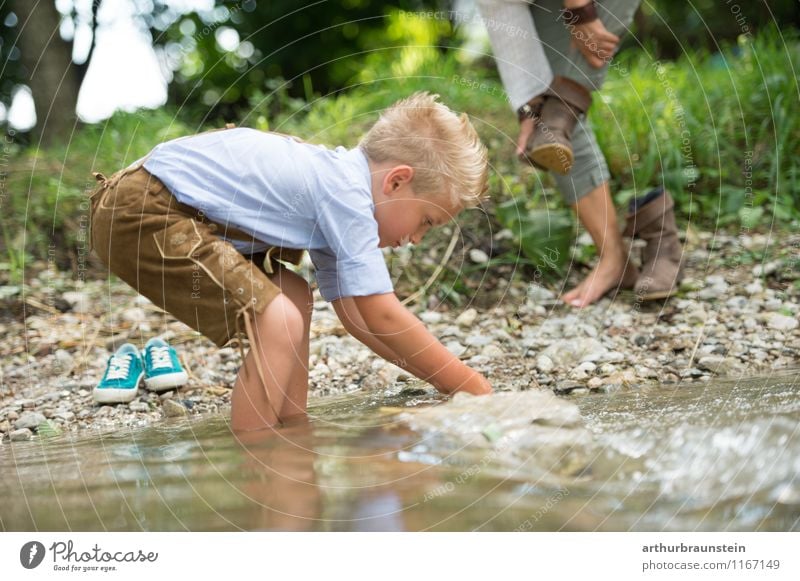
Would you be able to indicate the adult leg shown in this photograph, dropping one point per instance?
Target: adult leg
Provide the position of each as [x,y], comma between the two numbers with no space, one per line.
[586,187]
[517,48]
[596,212]
[281,343]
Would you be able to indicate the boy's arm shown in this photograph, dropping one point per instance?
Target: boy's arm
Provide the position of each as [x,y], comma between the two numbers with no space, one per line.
[391,331]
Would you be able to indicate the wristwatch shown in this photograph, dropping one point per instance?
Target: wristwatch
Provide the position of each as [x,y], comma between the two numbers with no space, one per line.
[581,15]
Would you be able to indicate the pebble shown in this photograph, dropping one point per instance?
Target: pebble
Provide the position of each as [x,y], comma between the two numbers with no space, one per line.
[478,256]
[430,317]
[567,386]
[608,368]
[544,364]
[782,322]
[134,315]
[538,294]
[493,351]
[568,352]
[721,365]
[525,340]
[80,302]
[583,370]
[29,420]
[477,340]
[455,348]
[697,315]
[138,406]
[467,318]
[173,409]
[594,383]
[754,288]
[20,435]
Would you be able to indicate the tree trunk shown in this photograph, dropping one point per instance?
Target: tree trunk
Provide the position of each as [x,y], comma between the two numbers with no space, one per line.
[49,70]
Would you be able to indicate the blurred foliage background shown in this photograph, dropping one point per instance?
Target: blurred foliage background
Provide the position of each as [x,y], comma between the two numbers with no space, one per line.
[703,97]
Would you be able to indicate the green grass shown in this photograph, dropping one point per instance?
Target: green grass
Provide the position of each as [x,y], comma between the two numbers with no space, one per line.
[48,188]
[723,130]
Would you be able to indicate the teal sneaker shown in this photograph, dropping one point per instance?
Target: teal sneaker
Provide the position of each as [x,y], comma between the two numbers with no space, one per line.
[123,374]
[161,366]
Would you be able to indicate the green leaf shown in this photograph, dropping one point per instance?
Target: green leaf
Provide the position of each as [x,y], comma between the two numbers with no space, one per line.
[48,429]
[545,236]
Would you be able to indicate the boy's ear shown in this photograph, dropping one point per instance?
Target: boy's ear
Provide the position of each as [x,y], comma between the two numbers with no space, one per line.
[396,177]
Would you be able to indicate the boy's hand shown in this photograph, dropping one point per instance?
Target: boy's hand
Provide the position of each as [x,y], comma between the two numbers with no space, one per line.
[391,331]
[479,385]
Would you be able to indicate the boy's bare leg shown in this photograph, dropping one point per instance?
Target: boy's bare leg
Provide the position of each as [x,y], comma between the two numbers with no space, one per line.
[282,332]
[296,398]
[597,214]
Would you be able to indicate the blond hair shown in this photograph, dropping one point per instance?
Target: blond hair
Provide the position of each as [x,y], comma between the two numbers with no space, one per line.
[443,148]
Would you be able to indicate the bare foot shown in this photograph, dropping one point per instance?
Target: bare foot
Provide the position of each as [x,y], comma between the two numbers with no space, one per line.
[608,274]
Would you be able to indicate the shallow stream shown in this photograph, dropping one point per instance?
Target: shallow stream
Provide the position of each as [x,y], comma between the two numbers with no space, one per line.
[715,456]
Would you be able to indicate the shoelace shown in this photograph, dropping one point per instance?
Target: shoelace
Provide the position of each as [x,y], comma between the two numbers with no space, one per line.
[118,366]
[159,357]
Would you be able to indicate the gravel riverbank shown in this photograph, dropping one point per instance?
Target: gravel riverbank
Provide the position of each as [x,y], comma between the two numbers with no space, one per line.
[736,316]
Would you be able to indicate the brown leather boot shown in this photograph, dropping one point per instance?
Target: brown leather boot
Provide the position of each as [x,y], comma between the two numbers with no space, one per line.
[550,146]
[652,219]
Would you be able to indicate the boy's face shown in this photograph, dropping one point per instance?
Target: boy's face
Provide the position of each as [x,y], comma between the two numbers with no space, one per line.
[404,217]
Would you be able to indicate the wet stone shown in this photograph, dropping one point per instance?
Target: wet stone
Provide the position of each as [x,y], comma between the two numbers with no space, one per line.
[21,435]
[66,416]
[29,420]
[567,386]
[173,409]
[543,428]
[138,406]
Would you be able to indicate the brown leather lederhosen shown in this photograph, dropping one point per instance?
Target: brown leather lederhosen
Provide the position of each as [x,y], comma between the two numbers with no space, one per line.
[175,256]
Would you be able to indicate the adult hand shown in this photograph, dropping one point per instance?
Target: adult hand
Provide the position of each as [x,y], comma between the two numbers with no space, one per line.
[525,131]
[596,43]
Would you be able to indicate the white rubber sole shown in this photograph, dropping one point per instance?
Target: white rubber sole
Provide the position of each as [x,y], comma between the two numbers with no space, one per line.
[116,395]
[167,381]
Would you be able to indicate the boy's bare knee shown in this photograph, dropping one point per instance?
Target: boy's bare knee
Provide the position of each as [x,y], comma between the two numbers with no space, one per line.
[281,321]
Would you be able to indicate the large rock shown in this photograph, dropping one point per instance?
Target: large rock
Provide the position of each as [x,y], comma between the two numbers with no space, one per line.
[534,428]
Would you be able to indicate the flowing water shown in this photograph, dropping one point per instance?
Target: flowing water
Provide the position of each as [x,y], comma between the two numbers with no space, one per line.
[717,456]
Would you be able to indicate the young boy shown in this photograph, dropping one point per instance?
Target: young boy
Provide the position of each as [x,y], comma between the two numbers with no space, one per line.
[200,227]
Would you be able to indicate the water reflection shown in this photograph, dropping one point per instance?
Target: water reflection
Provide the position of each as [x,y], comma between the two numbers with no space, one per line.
[701,457]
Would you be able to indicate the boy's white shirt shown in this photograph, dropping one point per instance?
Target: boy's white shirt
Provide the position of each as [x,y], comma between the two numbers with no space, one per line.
[284,193]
